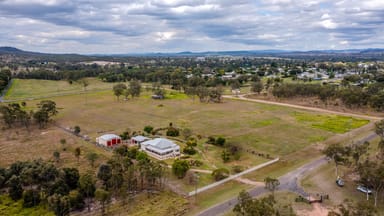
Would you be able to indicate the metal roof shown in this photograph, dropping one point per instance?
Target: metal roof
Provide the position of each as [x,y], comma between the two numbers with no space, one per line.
[140,138]
[161,144]
[109,137]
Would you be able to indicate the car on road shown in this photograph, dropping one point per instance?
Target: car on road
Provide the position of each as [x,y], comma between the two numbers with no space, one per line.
[364,189]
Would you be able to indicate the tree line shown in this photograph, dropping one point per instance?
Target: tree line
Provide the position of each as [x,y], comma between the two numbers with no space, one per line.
[126,174]
[351,95]
[18,114]
[5,77]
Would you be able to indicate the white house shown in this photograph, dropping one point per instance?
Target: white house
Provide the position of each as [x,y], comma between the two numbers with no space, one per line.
[108,140]
[161,148]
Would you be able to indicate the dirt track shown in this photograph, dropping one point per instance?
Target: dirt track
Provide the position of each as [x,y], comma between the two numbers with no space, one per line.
[242,97]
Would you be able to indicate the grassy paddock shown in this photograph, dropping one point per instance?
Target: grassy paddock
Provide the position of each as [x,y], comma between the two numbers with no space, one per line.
[332,123]
[30,88]
[260,128]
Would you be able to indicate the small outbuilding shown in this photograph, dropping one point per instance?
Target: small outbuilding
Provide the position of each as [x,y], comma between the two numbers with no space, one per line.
[137,140]
[108,140]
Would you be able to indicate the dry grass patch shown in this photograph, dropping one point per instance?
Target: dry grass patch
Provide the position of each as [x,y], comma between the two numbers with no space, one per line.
[21,145]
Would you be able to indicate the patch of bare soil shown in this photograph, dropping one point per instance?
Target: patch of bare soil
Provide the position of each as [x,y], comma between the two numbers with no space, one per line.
[336,105]
[317,210]
[250,182]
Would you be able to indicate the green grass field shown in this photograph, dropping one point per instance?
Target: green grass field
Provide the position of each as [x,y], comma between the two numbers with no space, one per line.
[332,123]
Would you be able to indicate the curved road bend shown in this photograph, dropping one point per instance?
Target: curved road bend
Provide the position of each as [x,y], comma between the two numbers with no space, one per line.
[287,182]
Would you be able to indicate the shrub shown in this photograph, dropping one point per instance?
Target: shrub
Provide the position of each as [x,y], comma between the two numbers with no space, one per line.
[220,141]
[125,135]
[173,132]
[237,169]
[211,140]
[189,150]
[220,174]
[195,163]
[148,129]
[225,156]
[192,142]
[76,130]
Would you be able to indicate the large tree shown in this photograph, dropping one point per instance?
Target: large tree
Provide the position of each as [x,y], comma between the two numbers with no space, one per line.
[134,88]
[271,184]
[372,176]
[339,154]
[180,168]
[247,206]
[46,109]
[379,130]
[119,89]
[87,186]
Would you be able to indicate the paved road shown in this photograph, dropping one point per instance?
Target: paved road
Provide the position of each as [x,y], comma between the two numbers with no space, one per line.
[215,184]
[288,182]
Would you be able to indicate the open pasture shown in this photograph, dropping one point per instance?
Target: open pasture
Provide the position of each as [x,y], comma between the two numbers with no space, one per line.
[257,128]
[30,88]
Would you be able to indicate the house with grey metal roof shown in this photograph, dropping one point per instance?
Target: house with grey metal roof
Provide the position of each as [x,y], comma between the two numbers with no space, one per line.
[161,148]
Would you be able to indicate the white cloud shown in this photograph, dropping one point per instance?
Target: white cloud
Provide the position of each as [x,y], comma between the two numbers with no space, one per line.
[328,24]
[325,16]
[164,36]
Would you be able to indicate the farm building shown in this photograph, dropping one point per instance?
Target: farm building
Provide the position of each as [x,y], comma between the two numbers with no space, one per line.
[108,140]
[161,148]
[137,140]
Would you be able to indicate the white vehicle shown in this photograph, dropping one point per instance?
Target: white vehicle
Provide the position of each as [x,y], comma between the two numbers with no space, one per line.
[364,189]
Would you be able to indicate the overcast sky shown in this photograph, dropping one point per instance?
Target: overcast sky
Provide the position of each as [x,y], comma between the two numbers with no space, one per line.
[141,26]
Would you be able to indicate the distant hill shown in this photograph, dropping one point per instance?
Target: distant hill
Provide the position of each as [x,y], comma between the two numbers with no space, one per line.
[350,54]
[15,53]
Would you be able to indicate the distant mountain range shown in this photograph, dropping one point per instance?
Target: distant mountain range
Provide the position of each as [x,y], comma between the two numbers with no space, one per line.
[361,53]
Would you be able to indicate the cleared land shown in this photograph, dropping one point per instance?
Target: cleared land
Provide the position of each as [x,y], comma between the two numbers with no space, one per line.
[257,128]
[296,136]
[30,88]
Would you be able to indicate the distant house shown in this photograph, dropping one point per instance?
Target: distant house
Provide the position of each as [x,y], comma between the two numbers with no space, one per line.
[108,140]
[161,148]
[137,140]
